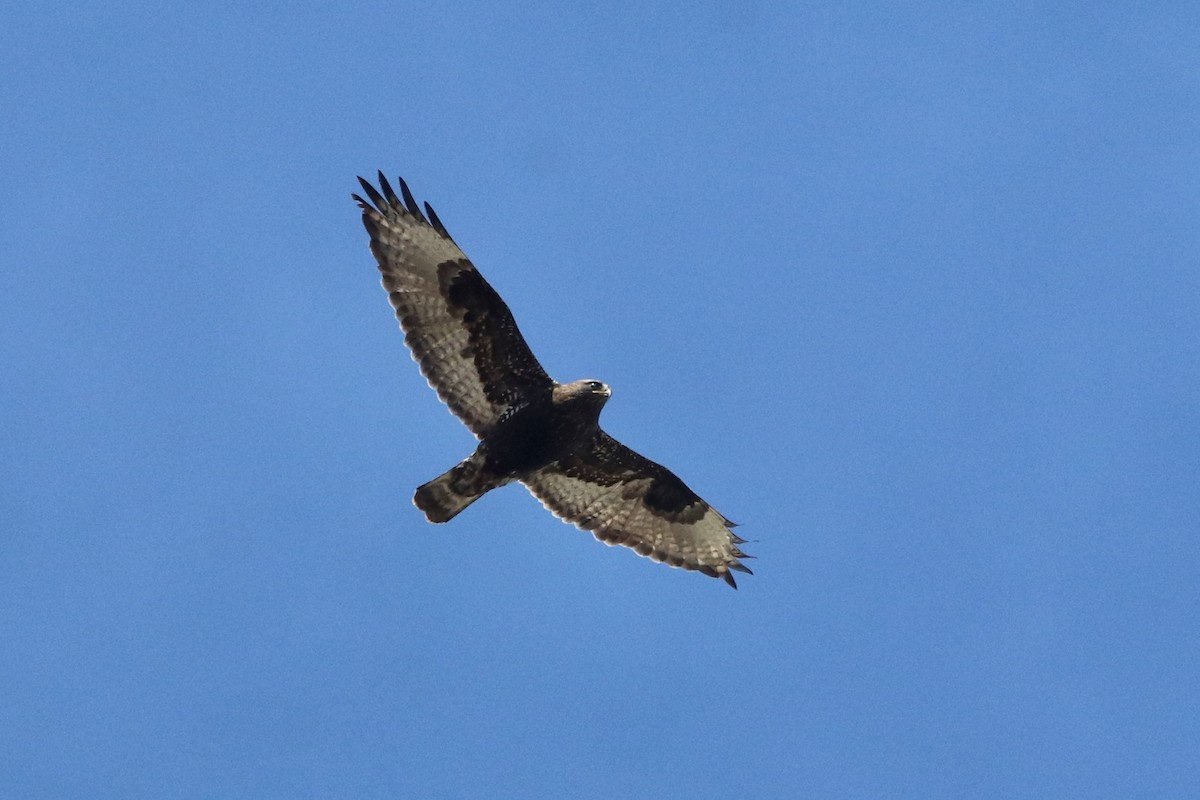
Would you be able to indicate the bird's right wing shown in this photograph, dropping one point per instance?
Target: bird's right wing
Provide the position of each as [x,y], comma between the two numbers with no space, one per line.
[459,330]
[624,498]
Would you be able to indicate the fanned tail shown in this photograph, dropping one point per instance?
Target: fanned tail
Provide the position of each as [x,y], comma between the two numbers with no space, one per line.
[446,495]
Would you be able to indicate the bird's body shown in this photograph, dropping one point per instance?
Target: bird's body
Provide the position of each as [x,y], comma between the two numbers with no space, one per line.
[530,428]
[526,439]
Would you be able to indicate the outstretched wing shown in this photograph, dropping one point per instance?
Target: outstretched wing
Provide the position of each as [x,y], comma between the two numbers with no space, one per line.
[459,330]
[624,498]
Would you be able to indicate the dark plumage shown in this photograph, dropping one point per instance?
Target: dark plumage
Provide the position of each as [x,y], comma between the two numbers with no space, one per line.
[530,428]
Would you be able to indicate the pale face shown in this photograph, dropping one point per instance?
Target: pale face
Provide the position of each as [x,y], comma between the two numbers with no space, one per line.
[586,390]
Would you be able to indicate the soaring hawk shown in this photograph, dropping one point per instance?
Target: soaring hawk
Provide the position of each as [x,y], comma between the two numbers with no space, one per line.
[530,428]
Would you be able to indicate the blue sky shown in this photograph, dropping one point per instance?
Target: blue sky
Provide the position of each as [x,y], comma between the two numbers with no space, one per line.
[910,291]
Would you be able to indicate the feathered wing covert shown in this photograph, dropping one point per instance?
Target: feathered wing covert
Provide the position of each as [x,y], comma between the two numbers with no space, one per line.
[468,346]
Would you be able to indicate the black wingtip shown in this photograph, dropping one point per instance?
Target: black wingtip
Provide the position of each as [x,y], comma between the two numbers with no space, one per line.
[410,202]
[436,223]
[388,192]
[385,201]
[376,197]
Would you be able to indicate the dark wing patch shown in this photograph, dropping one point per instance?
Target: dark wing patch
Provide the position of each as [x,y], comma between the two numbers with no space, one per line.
[624,498]
[507,369]
[460,331]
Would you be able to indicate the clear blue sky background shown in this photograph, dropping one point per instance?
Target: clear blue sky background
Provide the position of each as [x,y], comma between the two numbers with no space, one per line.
[910,291]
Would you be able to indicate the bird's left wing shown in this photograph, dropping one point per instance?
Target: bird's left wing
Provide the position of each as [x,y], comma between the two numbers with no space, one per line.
[459,330]
[624,498]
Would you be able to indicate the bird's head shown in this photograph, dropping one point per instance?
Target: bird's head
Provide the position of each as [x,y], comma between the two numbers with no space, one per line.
[587,393]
